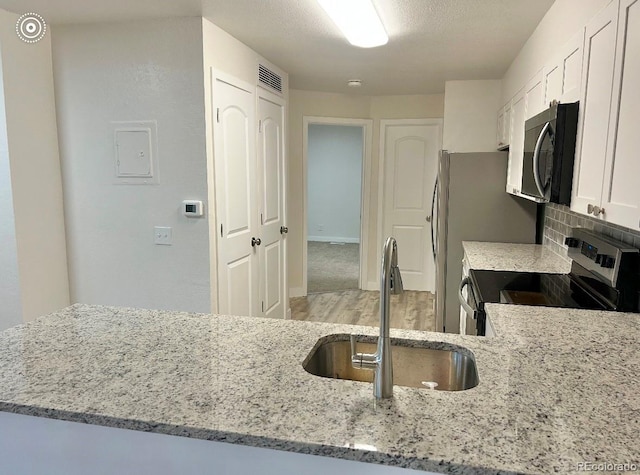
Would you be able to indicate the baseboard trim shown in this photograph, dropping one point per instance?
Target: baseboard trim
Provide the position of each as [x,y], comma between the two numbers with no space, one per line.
[345,240]
[296,292]
[371,286]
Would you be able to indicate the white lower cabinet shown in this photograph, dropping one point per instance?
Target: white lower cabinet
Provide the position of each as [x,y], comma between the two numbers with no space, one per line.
[32,445]
[607,168]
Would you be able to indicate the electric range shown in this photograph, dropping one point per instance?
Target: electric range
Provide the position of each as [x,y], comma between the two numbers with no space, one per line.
[605,275]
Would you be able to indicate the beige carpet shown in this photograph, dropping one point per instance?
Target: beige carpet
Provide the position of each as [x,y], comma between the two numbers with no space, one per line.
[332,267]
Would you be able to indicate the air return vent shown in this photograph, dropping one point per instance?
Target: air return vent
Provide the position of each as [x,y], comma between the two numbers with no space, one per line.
[269,78]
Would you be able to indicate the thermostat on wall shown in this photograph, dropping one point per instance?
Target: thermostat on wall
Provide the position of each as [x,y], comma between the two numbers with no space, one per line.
[192,209]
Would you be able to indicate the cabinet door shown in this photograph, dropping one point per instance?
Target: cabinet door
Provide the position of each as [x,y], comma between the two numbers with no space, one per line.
[621,192]
[534,96]
[516,148]
[506,130]
[571,66]
[562,77]
[500,129]
[552,82]
[593,122]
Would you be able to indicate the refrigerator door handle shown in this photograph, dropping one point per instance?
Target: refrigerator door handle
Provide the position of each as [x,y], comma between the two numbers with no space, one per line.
[433,207]
[463,302]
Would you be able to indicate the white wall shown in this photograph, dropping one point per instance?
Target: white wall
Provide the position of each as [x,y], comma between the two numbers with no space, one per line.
[32,144]
[562,21]
[334,186]
[322,104]
[144,70]
[470,111]
[11,309]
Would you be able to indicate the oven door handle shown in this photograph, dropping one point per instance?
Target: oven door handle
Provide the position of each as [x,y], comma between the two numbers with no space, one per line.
[536,159]
[467,308]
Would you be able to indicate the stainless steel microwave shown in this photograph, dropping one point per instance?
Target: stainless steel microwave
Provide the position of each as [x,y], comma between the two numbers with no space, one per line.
[549,151]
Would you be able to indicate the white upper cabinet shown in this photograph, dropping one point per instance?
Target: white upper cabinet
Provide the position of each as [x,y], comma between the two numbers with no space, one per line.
[621,191]
[595,108]
[534,96]
[563,76]
[500,131]
[504,127]
[516,148]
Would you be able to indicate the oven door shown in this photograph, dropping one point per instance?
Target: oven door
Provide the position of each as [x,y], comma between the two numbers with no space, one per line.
[470,314]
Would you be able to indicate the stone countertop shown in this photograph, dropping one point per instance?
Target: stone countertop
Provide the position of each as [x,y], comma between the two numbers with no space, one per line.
[557,387]
[514,257]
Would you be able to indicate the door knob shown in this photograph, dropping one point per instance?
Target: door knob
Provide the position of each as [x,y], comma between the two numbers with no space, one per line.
[284,230]
[590,209]
[428,219]
[255,242]
[597,211]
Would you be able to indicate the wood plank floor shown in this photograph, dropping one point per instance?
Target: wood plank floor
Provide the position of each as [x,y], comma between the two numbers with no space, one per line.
[411,310]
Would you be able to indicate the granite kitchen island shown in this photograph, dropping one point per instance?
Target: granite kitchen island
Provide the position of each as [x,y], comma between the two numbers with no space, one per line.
[557,387]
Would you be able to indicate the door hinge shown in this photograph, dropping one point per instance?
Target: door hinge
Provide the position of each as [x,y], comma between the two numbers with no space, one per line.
[259,126]
[221,235]
[218,115]
[262,307]
[261,219]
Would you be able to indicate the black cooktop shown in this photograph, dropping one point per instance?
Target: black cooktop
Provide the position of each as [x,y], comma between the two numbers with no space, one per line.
[528,288]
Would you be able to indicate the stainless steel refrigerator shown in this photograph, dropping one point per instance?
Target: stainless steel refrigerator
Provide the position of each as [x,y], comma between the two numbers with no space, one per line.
[470,204]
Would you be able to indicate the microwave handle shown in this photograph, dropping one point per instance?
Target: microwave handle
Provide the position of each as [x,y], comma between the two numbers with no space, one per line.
[467,308]
[536,158]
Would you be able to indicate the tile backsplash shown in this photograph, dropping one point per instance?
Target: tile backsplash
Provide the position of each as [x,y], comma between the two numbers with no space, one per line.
[559,219]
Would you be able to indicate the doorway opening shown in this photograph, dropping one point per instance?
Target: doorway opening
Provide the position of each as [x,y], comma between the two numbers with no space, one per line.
[337,157]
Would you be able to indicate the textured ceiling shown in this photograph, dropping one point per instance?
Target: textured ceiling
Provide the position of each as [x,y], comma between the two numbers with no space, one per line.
[430,41]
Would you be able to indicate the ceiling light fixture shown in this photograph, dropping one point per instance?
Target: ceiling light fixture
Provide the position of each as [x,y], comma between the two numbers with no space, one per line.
[354,83]
[358,21]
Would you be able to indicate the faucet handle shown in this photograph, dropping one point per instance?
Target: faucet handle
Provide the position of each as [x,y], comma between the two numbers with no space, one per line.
[361,360]
[395,281]
[352,340]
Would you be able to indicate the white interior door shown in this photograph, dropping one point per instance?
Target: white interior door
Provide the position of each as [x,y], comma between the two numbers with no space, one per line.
[410,168]
[236,197]
[271,207]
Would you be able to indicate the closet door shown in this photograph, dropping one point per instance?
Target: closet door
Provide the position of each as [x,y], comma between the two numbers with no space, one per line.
[236,197]
[271,204]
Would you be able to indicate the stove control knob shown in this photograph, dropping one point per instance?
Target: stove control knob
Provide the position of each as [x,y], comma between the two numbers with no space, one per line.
[608,262]
[572,242]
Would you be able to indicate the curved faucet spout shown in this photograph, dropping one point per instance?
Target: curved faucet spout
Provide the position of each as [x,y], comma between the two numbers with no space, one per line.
[381,362]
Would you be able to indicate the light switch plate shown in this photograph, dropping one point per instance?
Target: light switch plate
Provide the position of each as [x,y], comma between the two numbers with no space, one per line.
[162,236]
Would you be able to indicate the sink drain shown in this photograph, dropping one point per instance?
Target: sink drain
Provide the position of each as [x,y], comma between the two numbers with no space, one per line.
[430,384]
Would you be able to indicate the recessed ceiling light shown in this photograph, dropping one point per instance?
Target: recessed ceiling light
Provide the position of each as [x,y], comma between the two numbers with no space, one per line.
[354,83]
[358,21]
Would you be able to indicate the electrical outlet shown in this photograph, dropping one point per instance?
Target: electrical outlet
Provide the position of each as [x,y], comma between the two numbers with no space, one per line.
[162,236]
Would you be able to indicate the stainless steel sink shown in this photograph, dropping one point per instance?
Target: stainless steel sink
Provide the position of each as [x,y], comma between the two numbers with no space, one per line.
[445,368]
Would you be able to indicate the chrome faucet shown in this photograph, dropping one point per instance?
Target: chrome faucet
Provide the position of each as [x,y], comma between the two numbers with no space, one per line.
[380,362]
